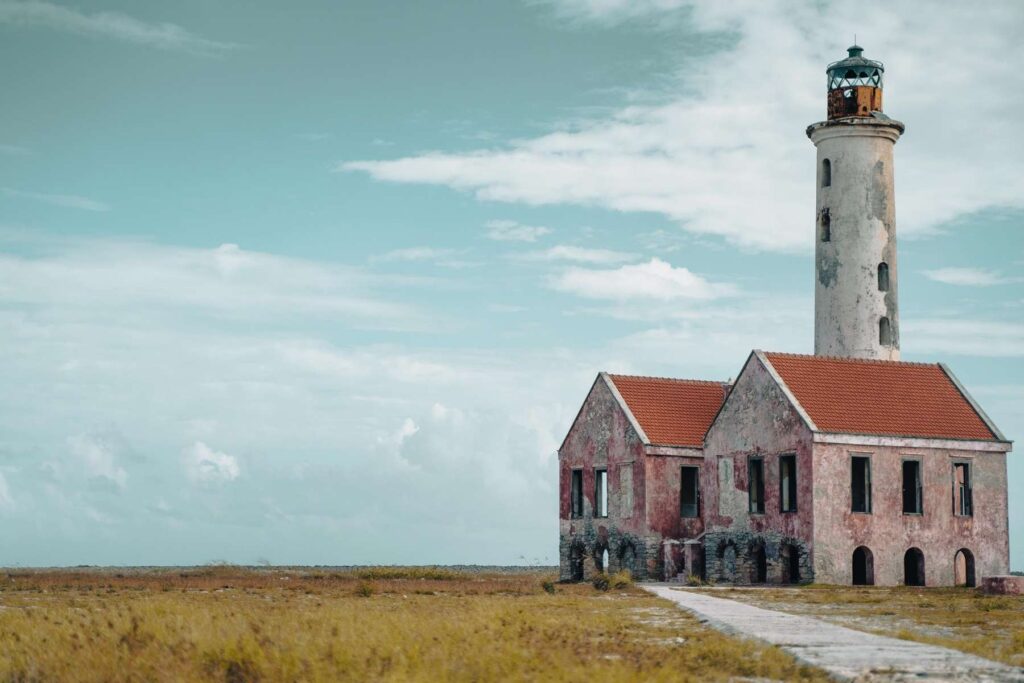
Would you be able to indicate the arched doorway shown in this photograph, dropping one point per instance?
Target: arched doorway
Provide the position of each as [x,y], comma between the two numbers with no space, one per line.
[758,564]
[963,568]
[576,562]
[601,558]
[627,558]
[790,563]
[863,567]
[913,567]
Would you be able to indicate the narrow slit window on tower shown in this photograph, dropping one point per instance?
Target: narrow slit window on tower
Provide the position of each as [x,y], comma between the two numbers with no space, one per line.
[787,483]
[883,277]
[826,173]
[860,484]
[826,225]
[601,493]
[755,485]
[884,332]
[689,492]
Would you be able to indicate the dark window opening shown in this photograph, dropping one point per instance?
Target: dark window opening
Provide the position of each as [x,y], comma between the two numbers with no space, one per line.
[689,492]
[912,488]
[913,568]
[883,277]
[755,485]
[860,484]
[884,332]
[576,495]
[826,225]
[826,173]
[863,567]
[600,493]
[787,483]
[963,503]
[963,568]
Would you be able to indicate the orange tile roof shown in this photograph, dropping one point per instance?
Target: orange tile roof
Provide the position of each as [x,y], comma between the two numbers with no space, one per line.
[672,412]
[885,398]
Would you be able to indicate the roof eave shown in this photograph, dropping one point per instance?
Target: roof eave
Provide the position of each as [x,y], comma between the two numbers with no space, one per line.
[974,404]
[625,408]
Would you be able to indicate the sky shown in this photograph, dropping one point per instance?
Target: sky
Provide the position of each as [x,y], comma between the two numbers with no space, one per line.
[326,283]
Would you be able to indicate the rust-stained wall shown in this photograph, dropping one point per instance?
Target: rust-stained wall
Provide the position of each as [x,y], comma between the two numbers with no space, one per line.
[758,420]
[602,436]
[888,533]
[663,489]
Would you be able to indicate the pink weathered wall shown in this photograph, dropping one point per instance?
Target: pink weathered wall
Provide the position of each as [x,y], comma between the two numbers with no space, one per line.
[888,533]
[602,436]
[663,488]
[757,419]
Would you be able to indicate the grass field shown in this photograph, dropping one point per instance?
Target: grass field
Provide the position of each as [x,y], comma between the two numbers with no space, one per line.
[959,618]
[386,624]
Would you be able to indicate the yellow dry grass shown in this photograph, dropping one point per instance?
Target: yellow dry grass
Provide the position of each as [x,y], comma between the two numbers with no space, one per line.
[228,624]
[959,618]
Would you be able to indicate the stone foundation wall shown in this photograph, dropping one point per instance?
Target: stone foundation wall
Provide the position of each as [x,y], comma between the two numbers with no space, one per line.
[739,565]
[642,556]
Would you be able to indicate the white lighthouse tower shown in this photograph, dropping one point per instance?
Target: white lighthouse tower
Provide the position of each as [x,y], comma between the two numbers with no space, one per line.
[855,303]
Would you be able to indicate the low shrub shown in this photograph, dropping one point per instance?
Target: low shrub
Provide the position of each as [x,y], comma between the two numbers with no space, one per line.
[548,586]
[364,590]
[601,582]
[621,580]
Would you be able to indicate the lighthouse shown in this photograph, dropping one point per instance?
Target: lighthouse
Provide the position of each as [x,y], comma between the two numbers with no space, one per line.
[856,314]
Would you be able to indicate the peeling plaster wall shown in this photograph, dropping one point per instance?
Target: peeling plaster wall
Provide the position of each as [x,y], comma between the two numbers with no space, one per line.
[602,436]
[888,533]
[860,205]
[757,420]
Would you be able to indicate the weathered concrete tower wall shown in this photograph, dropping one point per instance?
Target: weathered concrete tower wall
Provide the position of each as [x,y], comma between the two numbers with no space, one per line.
[856,312]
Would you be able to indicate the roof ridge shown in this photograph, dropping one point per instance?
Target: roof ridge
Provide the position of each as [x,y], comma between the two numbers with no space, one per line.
[680,380]
[844,359]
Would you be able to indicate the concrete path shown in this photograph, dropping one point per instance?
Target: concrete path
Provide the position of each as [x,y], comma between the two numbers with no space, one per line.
[846,654]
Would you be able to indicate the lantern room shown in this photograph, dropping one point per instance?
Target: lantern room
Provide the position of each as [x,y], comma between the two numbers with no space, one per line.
[854,85]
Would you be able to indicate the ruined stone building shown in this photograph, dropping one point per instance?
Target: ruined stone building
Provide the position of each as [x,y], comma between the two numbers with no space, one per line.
[845,467]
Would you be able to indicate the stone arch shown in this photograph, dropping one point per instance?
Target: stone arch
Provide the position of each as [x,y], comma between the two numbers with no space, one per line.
[758,562]
[627,557]
[727,560]
[601,557]
[963,568]
[863,567]
[913,567]
[576,553]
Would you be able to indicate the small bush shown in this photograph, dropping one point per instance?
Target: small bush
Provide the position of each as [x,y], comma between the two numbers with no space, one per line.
[601,582]
[364,590]
[694,580]
[621,580]
[548,586]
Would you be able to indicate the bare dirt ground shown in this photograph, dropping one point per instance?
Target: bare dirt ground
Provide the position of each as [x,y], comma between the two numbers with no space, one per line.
[959,618]
[232,624]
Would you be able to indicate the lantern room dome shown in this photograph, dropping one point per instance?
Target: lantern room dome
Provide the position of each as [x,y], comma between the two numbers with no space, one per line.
[855,70]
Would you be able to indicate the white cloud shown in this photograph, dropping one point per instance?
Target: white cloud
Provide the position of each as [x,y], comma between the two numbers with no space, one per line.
[963,337]
[511,231]
[70,201]
[206,466]
[97,455]
[971,277]
[568,252]
[140,279]
[723,163]
[654,279]
[114,25]
[416,254]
